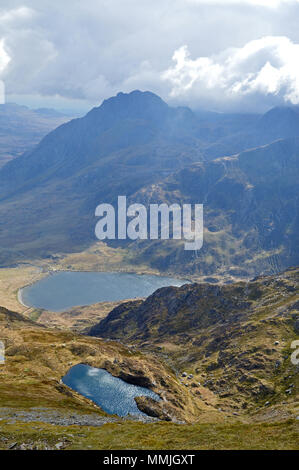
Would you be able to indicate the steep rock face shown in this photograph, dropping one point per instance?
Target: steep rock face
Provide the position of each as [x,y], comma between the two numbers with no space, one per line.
[250,213]
[131,145]
[119,123]
[37,357]
[129,141]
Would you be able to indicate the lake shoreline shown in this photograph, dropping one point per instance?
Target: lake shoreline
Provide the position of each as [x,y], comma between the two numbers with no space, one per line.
[86,292]
[20,298]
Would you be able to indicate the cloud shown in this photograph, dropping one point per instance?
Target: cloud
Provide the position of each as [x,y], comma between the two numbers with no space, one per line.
[267,66]
[4,57]
[83,52]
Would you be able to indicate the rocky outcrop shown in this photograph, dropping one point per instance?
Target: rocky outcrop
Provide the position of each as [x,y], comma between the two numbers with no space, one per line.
[153,408]
[173,311]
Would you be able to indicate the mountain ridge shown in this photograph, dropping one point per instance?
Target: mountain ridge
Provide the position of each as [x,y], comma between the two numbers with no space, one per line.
[123,147]
[22,128]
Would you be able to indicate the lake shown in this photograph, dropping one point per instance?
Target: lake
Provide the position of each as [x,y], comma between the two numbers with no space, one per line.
[63,290]
[112,394]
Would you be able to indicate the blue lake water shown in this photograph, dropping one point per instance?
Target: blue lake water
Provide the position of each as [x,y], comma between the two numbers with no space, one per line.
[112,394]
[63,290]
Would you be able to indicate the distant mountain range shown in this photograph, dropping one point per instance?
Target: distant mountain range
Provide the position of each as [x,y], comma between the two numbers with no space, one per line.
[136,145]
[22,128]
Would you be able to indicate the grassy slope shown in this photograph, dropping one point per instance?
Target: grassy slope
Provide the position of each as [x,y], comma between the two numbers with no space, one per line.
[235,339]
[37,358]
[158,436]
[250,216]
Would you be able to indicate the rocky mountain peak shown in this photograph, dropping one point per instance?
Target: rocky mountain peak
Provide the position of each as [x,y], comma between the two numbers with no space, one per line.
[134,105]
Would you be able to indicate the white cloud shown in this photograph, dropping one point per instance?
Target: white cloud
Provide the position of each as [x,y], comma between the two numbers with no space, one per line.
[267,66]
[4,61]
[254,3]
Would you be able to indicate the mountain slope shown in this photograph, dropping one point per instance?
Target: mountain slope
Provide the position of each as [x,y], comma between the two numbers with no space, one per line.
[22,128]
[37,357]
[250,131]
[38,412]
[121,122]
[129,141]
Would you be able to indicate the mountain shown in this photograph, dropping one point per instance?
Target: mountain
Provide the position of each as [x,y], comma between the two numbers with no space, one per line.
[14,320]
[131,130]
[251,219]
[136,145]
[235,340]
[223,377]
[22,128]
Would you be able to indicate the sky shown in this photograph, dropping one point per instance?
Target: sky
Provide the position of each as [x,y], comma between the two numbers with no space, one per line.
[223,55]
